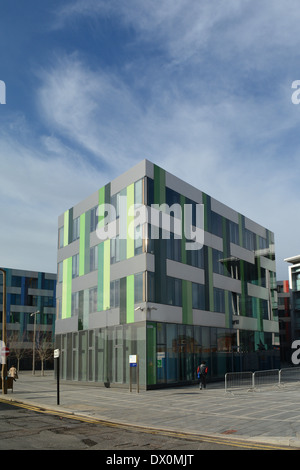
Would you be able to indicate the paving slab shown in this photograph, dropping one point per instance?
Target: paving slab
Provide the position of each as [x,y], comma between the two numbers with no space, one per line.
[268,415]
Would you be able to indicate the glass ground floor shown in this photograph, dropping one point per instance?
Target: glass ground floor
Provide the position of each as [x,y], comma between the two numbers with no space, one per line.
[168,354]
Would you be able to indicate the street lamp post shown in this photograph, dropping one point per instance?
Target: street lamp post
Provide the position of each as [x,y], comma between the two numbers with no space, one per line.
[4,335]
[33,343]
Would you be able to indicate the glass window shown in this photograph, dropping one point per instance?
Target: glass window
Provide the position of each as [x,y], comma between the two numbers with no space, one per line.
[218,259]
[16,299]
[115,202]
[138,240]
[249,240]
[60,271]
[75,266]
[171,353]
[115,250]
[234,232]
[94,258]
[216,224]
[76,228]
[138,288]
[60,237]
[172,197]
[198,296]
[138,192]
[94,219]
[115,293]
[178,292]
[173,248]
[219,300]
[151,287]
[75,304]
[174,291]
[16,281]
[262,243]
[93,300]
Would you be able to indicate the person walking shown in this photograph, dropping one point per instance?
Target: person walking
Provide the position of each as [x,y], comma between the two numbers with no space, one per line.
[202,373]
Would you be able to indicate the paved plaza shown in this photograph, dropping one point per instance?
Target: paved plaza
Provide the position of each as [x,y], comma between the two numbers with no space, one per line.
[270,415]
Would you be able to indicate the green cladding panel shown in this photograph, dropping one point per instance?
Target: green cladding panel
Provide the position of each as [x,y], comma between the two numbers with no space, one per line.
[130,299]
[187,307]
[160,243]
[67,288]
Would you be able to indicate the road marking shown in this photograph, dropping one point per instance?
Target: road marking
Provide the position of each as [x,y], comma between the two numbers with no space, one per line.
[175,434]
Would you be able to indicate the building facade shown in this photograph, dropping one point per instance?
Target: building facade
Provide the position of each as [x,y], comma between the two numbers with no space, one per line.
[284,316]
[28,292]
[153,296]
[294,287]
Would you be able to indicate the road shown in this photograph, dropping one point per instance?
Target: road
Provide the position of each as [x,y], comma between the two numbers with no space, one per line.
[23,427]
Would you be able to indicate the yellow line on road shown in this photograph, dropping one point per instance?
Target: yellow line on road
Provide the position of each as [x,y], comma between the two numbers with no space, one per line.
[200,438]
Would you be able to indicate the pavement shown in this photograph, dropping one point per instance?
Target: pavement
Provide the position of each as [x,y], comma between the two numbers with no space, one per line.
[269,415]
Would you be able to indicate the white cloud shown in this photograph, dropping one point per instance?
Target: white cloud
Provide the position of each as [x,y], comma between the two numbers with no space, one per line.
[227,147]
[35,188]
[207,108]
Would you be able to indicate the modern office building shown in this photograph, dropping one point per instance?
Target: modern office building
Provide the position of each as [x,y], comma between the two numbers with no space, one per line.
[294,286]
[157,293]
[28,292]
[284,317]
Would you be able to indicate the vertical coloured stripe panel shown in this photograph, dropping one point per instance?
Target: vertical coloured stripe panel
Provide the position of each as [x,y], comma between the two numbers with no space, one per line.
[67,288]
[187,307]
[151,353]
[160,243]
[130,299]
[130,221]
[159,185]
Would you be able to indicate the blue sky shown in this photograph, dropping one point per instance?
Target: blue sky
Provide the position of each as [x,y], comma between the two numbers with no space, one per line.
[201,88]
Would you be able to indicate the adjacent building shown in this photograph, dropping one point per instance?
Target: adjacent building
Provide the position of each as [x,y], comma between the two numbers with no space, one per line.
[284,316]
[153,294]
[294,287]
[28,292]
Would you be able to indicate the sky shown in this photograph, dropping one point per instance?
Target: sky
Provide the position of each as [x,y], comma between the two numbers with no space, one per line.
[203,89]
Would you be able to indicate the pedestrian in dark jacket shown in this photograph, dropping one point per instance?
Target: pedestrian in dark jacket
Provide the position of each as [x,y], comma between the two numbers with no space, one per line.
[202,372]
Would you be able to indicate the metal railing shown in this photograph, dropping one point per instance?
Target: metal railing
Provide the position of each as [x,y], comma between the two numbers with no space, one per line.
[252,380]
[290,374]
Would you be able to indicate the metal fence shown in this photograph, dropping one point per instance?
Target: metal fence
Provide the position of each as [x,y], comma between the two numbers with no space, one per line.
[291,374]
[257,379]
[266,377]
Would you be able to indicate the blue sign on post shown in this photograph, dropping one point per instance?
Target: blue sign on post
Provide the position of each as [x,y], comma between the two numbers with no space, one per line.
[132,360]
